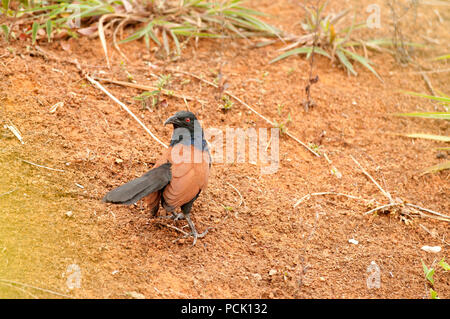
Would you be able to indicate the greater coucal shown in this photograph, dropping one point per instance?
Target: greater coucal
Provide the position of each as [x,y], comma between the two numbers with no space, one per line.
[177,178]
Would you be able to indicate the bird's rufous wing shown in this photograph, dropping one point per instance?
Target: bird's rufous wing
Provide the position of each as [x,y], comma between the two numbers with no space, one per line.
[190,172]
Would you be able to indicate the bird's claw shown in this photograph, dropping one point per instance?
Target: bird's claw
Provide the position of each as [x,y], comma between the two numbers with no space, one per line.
[174,216]
[195,235]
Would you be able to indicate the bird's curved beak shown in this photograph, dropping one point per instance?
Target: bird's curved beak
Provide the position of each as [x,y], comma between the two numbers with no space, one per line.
[171,120]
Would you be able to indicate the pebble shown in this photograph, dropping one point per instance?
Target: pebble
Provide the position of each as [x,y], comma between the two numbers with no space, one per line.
[353,241]
[135,295]
[432,249]
[257,276]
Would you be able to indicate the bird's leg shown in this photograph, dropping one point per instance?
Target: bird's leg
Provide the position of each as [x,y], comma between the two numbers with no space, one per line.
[194,232]
[186,209]
[174,216]
[177,216]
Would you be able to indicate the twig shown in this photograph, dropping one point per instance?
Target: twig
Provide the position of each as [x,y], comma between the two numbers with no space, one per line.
[175,228]
[11,191]
[433,235]
[49,168]
[98,85]
[381,207]
[308,196]
[239,193]
[119,27]
[312,80]
[373,180]
[20,289]
[428,83]
[34,287]
[428,211]
[101,35]
[15,131]
[246,105]
[144,88]
[424,72]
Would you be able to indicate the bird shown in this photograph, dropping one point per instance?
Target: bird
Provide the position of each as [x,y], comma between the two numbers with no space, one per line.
[177,178]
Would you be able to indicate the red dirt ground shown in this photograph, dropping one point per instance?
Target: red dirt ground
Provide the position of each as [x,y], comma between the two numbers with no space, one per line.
[263,248]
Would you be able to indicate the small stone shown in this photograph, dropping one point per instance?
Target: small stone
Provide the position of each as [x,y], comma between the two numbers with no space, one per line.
[432,249]
[322,278]
[69,213]
[118,160]
[353,241]
[135,295]
[272,272]
[257,276]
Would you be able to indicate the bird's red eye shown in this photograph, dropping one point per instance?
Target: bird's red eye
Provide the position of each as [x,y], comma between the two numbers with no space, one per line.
[188,120]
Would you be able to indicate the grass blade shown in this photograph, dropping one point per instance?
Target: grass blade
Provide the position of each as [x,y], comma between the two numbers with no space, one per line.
[429,272]
[431,97]
[5,5]
[440,138]
[301,50]
[34,30]
[177,43]
[48,29]
[5,29]
[346,62]
[442,57]
[437,168]
[361,60]
[428,115]
[444,265]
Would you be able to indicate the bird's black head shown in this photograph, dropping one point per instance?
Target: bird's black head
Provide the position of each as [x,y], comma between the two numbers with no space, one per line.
[187,130]
[183,119]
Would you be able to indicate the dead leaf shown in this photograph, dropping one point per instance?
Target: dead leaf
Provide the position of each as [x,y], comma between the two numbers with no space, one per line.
[89,30]
[65,46]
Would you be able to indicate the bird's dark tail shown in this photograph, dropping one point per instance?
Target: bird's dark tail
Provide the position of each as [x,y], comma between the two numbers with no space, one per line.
[150,182]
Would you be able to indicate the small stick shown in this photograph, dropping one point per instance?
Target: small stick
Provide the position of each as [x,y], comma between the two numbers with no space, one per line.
[15,131]
[144,88]
[381,207]
[246,105]
[424,72]
[175,228]
[49,168]
[11,191]
[101,35]
[34,287]
[20,289]
[373,180]
[428,211]
[433,235]
[308,196]
[239,193]
[125,108]
[428,83]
